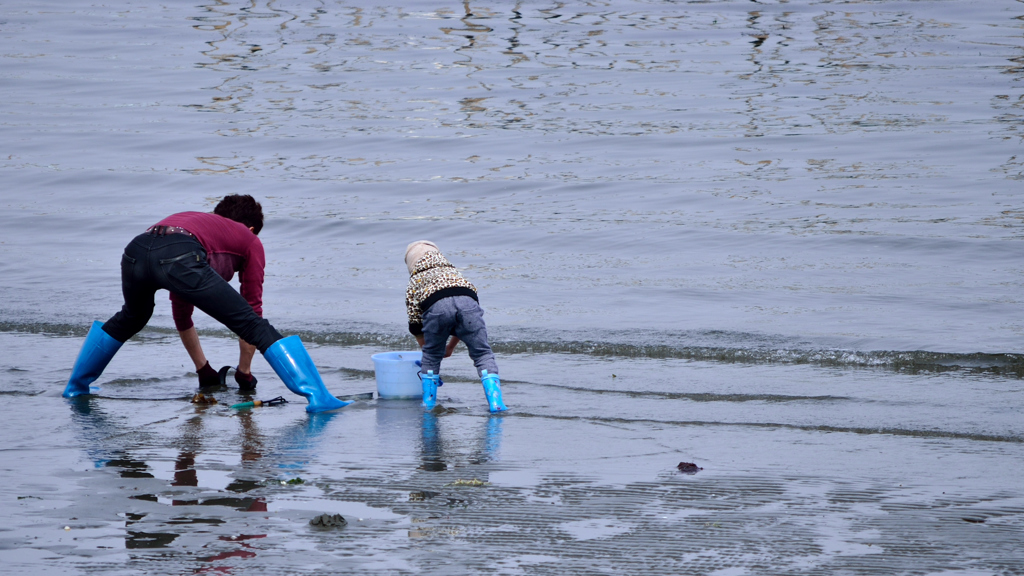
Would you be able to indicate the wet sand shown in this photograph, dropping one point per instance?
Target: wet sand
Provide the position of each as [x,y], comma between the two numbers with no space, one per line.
[579,477]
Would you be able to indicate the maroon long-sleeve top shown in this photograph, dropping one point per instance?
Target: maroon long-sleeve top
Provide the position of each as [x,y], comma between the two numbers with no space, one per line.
[230,247]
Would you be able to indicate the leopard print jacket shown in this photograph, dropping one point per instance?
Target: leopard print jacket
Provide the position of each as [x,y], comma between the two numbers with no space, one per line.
[433,278]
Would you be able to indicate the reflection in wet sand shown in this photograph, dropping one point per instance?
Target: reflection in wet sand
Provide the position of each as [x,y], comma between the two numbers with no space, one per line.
[98,430]
[432,454]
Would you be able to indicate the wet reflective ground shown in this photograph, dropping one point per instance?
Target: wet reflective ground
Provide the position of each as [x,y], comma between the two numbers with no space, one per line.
[778,240]
[805,471]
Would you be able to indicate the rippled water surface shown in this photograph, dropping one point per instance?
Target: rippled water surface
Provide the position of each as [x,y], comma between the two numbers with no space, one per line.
[780,240]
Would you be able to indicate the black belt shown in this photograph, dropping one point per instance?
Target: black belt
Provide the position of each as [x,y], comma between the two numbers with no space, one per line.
[162,230]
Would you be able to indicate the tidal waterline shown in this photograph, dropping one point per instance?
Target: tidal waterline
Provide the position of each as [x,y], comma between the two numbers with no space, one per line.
[775,239]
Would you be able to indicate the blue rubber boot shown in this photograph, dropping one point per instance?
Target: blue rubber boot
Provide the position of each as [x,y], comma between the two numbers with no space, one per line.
[96,352]
[288,357]
[430,383]
[492,390]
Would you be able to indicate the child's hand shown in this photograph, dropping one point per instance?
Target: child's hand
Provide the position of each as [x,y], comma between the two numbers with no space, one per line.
[420,340]
[452,343]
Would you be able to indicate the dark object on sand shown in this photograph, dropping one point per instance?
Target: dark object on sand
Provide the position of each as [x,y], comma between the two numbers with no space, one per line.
[328,521]
[420,496]
[199,398]
[688,468]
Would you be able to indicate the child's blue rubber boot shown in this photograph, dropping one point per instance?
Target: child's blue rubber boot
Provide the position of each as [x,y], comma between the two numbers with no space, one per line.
[492,390]
[96,352]
[430,383]
[289,358]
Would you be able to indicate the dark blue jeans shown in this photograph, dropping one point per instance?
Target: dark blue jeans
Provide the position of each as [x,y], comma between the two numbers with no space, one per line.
[456,316]
[177,263]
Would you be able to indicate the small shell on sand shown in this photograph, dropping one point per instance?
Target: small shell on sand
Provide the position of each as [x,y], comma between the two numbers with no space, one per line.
[688,468]
[327,521]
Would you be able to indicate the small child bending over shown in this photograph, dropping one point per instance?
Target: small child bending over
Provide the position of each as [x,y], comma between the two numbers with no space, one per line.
[441,303]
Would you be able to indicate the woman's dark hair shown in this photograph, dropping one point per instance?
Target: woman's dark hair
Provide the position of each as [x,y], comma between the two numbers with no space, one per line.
[241,208]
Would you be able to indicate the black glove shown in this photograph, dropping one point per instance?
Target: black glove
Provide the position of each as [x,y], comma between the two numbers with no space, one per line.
[208,377]
[246,382]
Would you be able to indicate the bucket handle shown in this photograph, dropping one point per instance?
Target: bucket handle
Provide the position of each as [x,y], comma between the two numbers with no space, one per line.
[420,364]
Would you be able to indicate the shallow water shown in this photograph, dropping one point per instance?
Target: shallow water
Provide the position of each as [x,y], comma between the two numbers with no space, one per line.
[777,239]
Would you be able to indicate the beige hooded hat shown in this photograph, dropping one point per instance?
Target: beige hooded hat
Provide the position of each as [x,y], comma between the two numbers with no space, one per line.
[415,250]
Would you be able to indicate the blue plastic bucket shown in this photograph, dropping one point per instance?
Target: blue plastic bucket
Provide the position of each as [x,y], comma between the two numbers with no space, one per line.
[398,374]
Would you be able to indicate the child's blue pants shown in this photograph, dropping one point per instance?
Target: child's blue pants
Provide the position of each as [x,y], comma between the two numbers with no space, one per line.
[460,316]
